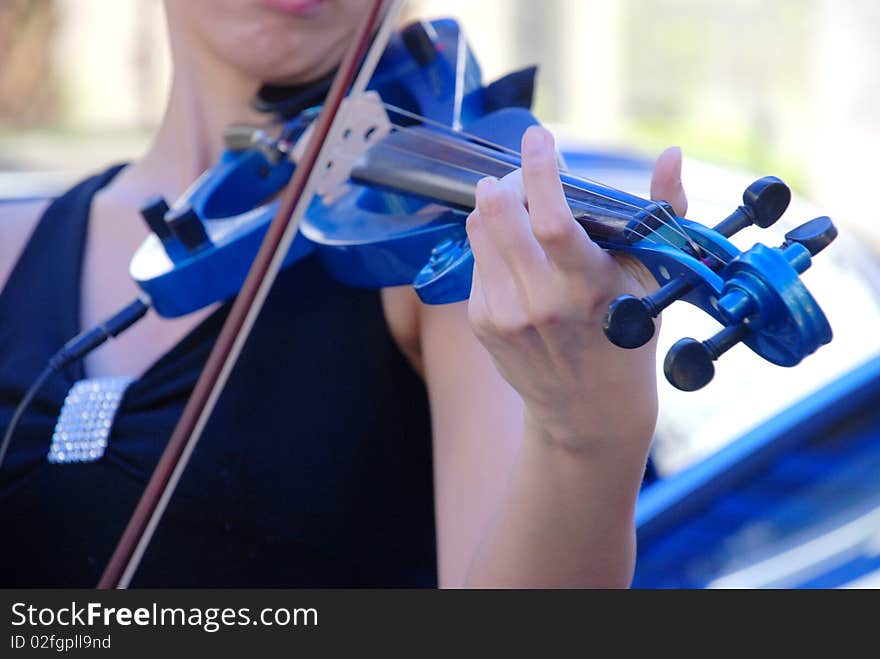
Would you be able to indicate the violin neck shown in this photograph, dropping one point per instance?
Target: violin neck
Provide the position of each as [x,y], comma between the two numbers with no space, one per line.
[417,163]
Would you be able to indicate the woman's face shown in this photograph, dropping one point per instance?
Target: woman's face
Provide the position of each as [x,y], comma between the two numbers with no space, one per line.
[274,41]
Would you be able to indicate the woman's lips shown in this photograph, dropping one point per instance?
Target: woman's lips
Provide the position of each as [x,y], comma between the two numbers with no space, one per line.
[303,8]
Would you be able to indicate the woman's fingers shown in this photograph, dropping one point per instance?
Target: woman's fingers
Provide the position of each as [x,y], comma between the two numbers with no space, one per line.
[666,182]
[535,262]
[487,259]
[502,211]
[495,294]
[561,237]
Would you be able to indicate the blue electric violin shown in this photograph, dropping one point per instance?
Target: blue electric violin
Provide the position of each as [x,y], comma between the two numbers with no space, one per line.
[398,183]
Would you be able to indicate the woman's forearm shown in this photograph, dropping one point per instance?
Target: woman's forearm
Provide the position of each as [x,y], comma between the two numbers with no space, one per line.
[565,521]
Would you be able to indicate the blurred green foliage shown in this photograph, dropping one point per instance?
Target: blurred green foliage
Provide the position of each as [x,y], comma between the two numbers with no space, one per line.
[727,81]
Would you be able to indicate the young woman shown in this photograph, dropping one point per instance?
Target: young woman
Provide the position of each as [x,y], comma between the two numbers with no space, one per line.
[363,439]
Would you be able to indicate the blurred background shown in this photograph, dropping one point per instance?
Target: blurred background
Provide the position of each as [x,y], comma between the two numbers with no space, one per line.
[788,86]
[745,87]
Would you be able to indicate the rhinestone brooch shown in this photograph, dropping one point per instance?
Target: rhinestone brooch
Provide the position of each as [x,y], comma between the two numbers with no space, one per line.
[86,418]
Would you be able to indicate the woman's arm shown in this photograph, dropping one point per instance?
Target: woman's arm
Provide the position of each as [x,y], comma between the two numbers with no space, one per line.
[541,426]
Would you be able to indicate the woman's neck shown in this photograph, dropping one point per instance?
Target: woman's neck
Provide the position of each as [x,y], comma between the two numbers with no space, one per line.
[205,97]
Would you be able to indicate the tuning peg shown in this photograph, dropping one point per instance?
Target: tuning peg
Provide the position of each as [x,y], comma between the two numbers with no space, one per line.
[629,321]
[764,202]
[689,363]
[815,235]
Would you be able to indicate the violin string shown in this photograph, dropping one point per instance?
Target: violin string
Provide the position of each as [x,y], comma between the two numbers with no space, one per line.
[500,147]
[672,223]
[586,206]
[458,146]
[510,168]
[652,236]
[578,204]
[438,124]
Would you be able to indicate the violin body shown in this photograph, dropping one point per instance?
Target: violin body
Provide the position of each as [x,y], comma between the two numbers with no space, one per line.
[393,206]
[230,199]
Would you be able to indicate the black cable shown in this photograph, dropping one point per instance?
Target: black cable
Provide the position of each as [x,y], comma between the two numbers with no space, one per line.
[22,406]
[77,348]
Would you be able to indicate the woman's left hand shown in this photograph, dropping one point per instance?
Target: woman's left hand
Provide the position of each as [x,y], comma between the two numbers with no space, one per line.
[540,290]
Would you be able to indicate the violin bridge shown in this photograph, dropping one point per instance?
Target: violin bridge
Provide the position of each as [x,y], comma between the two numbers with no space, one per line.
[363,122]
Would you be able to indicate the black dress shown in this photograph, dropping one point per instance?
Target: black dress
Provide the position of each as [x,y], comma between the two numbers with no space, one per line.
[315,469]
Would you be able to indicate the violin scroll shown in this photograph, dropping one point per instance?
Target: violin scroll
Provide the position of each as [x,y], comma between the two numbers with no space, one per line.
[765,305]
[759,297]
[629,321]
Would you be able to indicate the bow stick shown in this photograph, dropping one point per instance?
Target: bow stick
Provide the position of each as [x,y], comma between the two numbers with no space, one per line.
[295,201]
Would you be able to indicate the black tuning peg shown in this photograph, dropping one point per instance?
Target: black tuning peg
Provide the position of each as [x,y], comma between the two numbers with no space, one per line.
[689,363]
[815,235]
[629,321]
[764,202]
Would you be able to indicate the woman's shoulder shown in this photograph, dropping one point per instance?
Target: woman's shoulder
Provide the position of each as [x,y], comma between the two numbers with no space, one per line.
[17,212]
[18,219]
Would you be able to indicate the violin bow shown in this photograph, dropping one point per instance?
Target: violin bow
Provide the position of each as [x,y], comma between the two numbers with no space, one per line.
[295,201]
